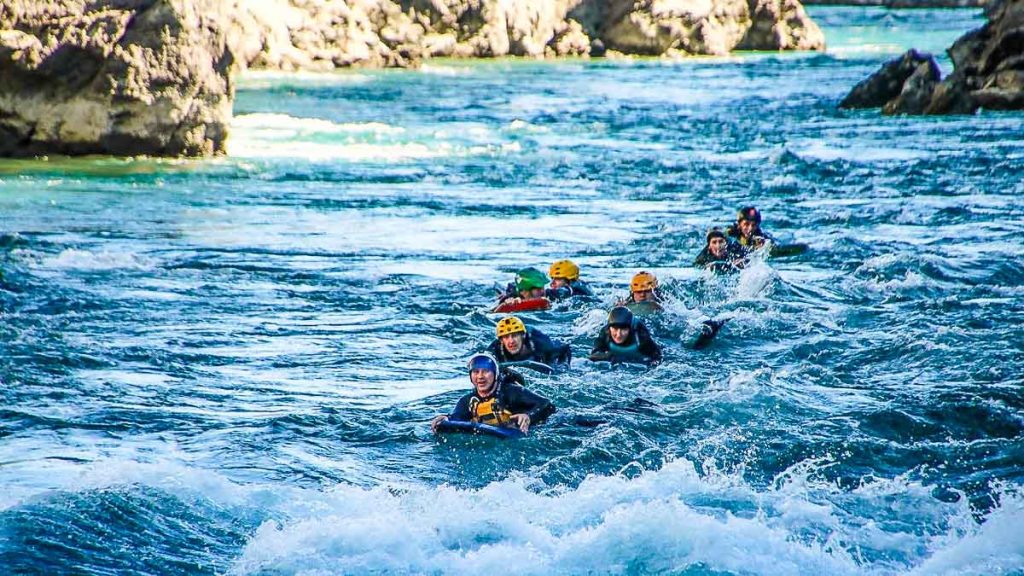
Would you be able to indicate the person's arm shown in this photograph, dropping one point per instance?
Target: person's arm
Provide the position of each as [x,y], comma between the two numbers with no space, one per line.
[495,350]
[601,350]
[702,258]
[459,414]
[521,401]
[648,347]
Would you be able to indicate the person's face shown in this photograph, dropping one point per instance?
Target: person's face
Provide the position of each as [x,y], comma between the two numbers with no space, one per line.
[532,293]
[643,295]
[557,283]
[513,343]
[483,380]
[619,334]
[717,246]
[747,227]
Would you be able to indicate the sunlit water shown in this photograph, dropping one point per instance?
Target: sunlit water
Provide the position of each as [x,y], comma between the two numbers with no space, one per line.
[228,366]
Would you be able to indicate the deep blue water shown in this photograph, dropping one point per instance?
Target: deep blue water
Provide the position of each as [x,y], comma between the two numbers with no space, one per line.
[228,366]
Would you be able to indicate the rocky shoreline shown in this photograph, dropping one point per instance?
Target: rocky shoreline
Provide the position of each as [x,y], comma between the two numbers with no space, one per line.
[988,72]
[154,77]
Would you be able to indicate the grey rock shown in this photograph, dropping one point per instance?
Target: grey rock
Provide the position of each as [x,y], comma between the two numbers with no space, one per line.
[126,77]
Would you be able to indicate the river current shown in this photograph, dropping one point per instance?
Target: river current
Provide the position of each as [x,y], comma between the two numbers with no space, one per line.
[228,366]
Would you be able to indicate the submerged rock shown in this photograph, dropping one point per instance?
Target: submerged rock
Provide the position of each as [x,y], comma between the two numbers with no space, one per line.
[988,72]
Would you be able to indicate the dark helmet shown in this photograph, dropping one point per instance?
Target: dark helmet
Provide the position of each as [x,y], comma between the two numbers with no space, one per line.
[749,213]
[715,232]
[620,317]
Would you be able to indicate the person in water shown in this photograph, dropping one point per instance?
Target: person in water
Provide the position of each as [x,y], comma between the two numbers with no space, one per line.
[496,399]
[514,343]
[719,255]
[529,284]
[565,281]
[625,338]
[746,232]
[643,293]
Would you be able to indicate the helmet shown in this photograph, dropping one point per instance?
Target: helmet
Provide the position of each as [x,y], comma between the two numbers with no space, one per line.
[643,281]
[509,325]
[564,269]
[529,278]
[749,213]
[482,360]
[715,232]
[620,316]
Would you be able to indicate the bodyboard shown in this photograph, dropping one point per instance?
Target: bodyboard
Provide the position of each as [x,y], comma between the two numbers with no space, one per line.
[783,250]
[528,305]
[453,426]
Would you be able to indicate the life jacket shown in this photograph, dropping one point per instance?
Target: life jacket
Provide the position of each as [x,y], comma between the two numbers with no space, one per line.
[489,411]
[629,350]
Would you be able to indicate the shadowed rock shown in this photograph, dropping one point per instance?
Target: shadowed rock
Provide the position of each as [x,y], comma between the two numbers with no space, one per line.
[887,84]
[988,72]
[127,77]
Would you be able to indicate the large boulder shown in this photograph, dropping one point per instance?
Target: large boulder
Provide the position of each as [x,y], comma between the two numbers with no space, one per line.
[887,84]
[125,77]
[988,72]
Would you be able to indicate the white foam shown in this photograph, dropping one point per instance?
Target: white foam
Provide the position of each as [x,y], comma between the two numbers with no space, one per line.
[994,547]
[75,259]
[604,526]
[858,154]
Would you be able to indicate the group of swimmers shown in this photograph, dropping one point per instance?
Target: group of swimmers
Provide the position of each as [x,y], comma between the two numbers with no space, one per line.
[499,397]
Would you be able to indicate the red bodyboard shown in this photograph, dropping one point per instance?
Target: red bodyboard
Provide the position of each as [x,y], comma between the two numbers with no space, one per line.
[524,305]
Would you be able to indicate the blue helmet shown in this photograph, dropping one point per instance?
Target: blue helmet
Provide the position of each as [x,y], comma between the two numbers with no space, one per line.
[483,360]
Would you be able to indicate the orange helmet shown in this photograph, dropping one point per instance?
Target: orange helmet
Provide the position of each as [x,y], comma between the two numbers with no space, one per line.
[643,281]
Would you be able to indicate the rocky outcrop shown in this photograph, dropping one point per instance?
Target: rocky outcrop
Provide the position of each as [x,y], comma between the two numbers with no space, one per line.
[153,77]
[321,34]
[124,77]
[988,72]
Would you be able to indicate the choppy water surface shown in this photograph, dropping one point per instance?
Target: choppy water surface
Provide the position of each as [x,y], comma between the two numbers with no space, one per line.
[228,366]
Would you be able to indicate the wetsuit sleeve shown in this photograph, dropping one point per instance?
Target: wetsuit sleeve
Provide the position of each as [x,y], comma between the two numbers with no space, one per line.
[520,400]
[648,347]
[461,411]
[510,292]
[510,376]
[601,342]
[557,293]
[580,288]
[496,351]
[702,258]
[546,349]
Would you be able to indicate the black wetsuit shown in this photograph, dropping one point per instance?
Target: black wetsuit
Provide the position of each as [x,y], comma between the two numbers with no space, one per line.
[510,396]
[576,288]
[722,264]
[640,346]
[756,240]
[537,346]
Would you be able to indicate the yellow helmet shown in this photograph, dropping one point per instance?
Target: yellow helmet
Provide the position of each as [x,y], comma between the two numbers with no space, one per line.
[643,281]
[510,325]
[564,269]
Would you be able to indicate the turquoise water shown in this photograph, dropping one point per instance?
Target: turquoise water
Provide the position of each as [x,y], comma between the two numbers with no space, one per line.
[228,366]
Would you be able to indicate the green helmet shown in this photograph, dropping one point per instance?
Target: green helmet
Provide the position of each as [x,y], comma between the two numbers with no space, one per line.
[529,278]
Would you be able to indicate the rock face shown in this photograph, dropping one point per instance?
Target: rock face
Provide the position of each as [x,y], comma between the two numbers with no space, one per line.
[123,77]
[324,34]
[988,72]
[153,77]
